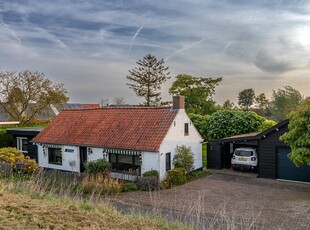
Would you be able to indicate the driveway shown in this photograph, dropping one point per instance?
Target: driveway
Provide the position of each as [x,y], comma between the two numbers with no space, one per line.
[228,198]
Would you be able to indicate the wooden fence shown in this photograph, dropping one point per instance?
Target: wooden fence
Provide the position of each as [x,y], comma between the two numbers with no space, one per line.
[126,176]
[6,168]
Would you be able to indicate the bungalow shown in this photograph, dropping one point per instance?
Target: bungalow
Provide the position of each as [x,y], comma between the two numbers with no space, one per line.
[130,138]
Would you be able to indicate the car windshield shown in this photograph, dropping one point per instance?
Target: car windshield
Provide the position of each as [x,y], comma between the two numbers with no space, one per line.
[243,153]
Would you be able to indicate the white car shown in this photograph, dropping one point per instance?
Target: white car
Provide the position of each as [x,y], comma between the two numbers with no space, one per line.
[244,158]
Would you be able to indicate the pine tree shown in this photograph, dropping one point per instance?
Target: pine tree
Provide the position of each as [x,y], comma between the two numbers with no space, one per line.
[147,78]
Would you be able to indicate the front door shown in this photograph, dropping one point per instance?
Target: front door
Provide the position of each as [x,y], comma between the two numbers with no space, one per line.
[83,158]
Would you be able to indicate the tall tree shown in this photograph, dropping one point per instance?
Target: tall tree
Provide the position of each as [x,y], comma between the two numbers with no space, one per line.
[26,94]
[246,98]
[119,101]
[261,104]
[147,78]
[261,101]
[283,102]
[228,105]
[198,92]
[298,136]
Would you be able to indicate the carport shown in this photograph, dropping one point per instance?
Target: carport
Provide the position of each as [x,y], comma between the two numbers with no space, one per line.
[220,151]
[273,161]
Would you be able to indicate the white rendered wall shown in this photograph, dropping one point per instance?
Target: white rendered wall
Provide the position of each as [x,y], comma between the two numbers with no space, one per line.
[150,161]
[175,137]
[97,153]
[66,158]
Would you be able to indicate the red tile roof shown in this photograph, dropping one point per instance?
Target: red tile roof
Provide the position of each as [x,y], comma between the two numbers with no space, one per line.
[139,128]
[91,106]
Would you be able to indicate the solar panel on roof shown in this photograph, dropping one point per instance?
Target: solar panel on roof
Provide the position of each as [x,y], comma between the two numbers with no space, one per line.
[74,106]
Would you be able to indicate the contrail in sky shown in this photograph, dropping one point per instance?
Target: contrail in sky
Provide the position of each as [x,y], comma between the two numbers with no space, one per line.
[187,47]
[134,37]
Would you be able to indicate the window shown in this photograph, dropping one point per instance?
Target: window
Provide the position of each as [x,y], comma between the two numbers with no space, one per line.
[244,153]
[54,156]
[168,161]
[186,132]
[22,143]
[122,162]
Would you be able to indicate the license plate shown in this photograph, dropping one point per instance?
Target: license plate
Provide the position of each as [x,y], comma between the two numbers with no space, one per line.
[243,159]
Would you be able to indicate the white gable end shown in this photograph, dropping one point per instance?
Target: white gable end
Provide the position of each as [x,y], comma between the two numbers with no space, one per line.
[178,134]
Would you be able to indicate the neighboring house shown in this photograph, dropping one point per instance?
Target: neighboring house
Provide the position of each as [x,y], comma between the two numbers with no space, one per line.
[3,115]
[22,140]
[130,138]
[50,111]
[91,106]
[273,161]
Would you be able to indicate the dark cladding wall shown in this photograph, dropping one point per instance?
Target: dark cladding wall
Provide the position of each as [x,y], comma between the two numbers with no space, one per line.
[214,160]
[267,158]
[32,150]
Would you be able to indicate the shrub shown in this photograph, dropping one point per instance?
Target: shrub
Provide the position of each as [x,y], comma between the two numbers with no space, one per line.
[177,176]
[201,123]
[98,166]
[266,124]
[166,184]
[151,173]
[128,187]
[4,138]
[100,185]
[184,158]
[11,155]
[196,175]
[225,123]
[148,183]
[30,165]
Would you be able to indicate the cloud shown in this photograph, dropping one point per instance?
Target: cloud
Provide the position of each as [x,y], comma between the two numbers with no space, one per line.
[267,63]
[90,43]
[134,37]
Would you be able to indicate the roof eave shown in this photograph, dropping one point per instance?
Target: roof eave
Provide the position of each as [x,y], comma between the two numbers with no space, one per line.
[94,146]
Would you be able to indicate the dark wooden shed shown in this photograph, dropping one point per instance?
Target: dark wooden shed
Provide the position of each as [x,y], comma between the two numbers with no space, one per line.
[22,140]
[273,161]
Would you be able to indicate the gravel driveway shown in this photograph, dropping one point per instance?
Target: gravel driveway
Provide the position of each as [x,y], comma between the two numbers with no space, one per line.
[229,198]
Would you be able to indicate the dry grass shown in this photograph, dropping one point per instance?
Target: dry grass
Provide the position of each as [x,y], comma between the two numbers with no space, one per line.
[22,209]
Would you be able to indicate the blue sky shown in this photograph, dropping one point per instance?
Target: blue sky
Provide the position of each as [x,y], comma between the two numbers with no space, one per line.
[90,45]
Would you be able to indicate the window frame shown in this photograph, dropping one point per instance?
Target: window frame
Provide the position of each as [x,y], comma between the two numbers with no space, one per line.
[19,144]
[54,156]
[116,165]
[168,161]
[186,129]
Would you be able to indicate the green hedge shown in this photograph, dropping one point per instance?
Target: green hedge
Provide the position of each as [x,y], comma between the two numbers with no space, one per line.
[151,173]
[97,166]
[5,138]
[177,176]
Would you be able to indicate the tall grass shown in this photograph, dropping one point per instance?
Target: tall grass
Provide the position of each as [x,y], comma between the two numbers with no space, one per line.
[69,185]
[196,213]
[25,209]
[93,191]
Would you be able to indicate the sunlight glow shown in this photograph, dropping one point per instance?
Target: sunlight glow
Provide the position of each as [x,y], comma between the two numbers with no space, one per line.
[302,35]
